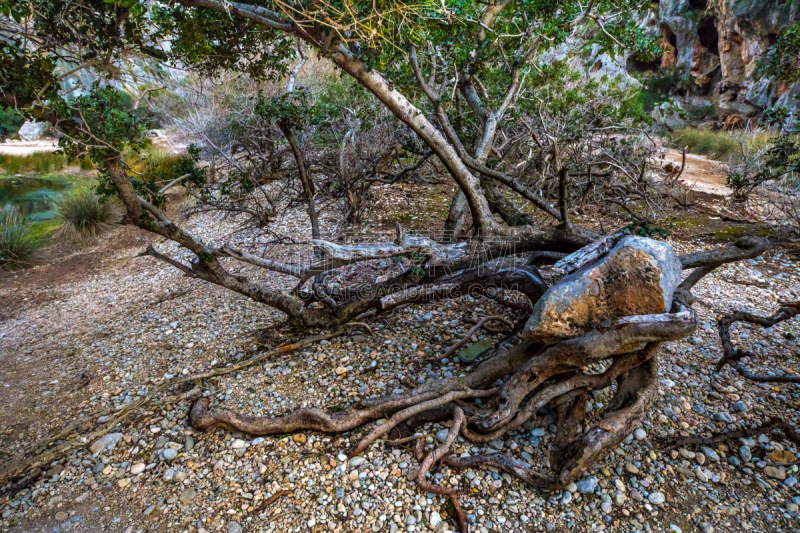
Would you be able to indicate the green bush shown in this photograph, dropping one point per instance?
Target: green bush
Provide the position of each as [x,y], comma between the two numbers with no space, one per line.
[10,121]
[83,214]
[39,162]
[18,240]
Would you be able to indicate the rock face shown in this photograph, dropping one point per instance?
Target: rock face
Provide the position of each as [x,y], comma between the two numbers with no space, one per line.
[636,277]
[717,44]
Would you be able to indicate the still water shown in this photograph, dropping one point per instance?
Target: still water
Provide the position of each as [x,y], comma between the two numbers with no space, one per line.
[34,197]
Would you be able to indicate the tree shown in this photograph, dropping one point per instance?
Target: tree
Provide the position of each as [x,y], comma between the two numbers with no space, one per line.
[478,85]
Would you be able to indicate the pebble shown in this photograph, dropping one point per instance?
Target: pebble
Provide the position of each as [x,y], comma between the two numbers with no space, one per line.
[633,469]
[441,435]
[234,527]
[745,454]
[188,495]
[710,453]
[640,434]
[137,469]
[586,485]
[106,442]
[170,454]
[775,473]
[656,498]
[357,460]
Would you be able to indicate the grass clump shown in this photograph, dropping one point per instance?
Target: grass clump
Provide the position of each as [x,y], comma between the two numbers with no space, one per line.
[19,242]
[83,214]
[720,145]
[153,163]
[39,162]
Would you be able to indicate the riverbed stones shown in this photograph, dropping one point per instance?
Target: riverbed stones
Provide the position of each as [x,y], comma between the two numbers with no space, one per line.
[636,277]
[106,442]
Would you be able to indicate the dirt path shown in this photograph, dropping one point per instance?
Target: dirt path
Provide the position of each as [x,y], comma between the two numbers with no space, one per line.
[701,173]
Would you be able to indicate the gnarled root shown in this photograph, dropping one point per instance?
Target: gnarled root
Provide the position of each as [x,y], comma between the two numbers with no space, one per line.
[584,452]
[437,455]
[532,377]
[733,356]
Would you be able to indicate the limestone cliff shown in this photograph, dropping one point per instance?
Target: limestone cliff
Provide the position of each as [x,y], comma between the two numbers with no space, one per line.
[715,47]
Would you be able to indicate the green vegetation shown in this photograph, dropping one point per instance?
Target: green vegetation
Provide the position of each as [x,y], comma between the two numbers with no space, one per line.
[719,145]
[19,241]
[152,162]
[83,214]
[10,121]
[38,162]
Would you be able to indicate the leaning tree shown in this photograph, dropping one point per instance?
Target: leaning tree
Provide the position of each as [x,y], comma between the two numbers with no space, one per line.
[476,83]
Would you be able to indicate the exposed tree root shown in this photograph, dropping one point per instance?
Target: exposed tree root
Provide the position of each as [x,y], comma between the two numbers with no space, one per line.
[531,377]
[472,331]
[733,356]
[436,455]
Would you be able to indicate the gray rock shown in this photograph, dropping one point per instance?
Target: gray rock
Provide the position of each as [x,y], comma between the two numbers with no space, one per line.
[656,498]
[740,407]
[710,453]
[33,131]
[189,443]
[594,293]
[170,454]
[357,460]
[441,435]
[435,519]
[586,485]
[640,434]
[723,417]
[106,442]
[745,454]
[234,527]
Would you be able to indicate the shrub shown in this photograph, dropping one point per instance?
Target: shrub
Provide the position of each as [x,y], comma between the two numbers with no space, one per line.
[83,214]
[18,240]
[720,145]
[10,121]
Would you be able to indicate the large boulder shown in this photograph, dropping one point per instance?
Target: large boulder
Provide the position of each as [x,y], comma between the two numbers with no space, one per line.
[33,131]
[636,277]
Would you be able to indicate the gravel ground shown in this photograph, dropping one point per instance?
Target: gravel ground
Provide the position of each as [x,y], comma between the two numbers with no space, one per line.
[128,322]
